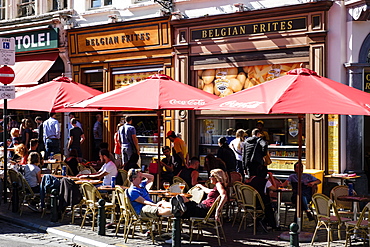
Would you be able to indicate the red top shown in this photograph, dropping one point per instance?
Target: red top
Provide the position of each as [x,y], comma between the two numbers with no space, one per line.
[211,198]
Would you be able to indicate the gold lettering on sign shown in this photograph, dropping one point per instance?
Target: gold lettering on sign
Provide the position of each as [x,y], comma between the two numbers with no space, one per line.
[290,25]
[368,77]
[114,40]
[367,86]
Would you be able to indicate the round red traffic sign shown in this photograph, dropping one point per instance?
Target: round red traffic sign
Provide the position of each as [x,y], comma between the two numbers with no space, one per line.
[6,75]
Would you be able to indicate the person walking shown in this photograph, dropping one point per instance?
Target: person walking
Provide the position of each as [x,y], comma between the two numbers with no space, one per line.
[98,135]
[76,137]
[237,146]
[179,150]
[255,149]
[129,141]
[51,135]
[40,136]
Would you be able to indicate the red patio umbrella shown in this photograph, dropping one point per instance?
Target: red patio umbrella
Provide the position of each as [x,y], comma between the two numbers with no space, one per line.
[52,96]
[158,92]
[301,91]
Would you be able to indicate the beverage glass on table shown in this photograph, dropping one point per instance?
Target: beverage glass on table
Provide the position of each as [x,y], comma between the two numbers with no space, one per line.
[182,187]
[166,186]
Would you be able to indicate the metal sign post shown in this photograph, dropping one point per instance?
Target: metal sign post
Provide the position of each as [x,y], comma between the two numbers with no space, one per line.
[7,57]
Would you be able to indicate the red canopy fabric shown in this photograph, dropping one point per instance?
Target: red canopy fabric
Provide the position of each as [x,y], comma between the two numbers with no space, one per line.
[52,96]
[155,93]
[301,91]
[30,69]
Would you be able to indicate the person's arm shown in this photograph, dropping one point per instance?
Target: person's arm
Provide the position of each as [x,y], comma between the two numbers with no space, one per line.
[57,129]
[38,175]
[27,139]
[169,167]
[194,178]
[82,138]
[141,200]
[204,188]
[313,183]
[70,141]
[285,184]
[149,177]
[136,143]
[223,195]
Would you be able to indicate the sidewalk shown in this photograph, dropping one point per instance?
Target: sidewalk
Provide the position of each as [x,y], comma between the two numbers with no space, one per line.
[87,237]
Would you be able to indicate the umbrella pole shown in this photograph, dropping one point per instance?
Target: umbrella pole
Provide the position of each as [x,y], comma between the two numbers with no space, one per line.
[300,170]
[159,113]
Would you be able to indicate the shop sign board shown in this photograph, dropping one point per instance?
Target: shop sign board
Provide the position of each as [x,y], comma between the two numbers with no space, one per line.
[35,40]
[366,80]
[7,92]
[282,25]
[7,51]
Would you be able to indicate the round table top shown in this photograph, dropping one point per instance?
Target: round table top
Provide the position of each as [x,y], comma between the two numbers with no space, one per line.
[357,198]
[110,188]
[92,181]
[163,193]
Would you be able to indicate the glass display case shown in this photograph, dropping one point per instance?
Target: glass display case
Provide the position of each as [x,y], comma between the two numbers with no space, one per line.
[284,157]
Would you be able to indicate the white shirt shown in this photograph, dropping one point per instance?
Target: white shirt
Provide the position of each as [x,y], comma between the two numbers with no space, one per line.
[237,151]
[111,169]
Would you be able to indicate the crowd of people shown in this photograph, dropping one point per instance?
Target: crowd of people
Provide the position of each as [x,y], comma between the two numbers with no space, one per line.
[244,155]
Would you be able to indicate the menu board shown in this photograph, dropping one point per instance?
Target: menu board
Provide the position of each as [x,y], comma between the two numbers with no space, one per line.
[333,144]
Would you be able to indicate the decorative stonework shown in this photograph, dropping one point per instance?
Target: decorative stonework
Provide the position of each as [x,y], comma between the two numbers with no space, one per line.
[359,11]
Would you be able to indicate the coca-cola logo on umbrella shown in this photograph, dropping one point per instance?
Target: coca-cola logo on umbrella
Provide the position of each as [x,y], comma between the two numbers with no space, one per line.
[187,102]
[236,104]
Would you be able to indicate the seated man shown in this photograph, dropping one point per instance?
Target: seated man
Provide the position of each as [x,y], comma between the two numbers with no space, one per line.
[309,185]
[107,171]
[191,174]
[140,198]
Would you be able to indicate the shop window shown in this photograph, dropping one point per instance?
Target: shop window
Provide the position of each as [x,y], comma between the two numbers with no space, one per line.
[128,75]
[100,3]
[94,78]
[226,81]
[2,9]
[59,5]
[26,8]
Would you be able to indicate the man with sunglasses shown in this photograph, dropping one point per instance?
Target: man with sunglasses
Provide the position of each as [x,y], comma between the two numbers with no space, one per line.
[140,198]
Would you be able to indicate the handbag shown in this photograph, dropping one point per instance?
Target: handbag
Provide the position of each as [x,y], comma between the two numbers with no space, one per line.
[266,159]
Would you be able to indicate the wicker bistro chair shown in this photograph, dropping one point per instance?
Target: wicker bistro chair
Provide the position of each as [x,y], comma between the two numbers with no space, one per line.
[208,221]
[252,205]
[177,179]
[26,194]
[123,209]
[133,219]
[344,207]
[239,201]
[360,227]
[327,216]
[92,196]
[12,177]
[124,176]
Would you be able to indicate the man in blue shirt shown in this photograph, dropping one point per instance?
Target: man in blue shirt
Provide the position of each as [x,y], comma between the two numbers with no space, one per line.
[140,198]
[51,135]
[129,141]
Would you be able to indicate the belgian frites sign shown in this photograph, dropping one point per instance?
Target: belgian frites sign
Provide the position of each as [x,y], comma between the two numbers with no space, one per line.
[248,29]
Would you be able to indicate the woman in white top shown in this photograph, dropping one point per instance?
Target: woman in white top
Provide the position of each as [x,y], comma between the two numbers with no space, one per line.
[32,173]
[237,146]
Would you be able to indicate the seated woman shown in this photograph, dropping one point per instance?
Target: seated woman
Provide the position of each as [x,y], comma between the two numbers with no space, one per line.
[32,174]
[262,185]
[72,161]
[309,185]
[193,209]
[20,154]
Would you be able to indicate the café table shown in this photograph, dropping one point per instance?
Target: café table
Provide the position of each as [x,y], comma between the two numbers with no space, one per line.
[355,200]
[53,164]
[341,177]
[92,181]
[280,191]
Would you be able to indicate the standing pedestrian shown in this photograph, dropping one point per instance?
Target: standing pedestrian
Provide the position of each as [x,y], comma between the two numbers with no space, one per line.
[76,137]
[129,141]
[226,154]
[40,137]
[237,146]
[179,150]
[51,135]
[98,135]
[255,149]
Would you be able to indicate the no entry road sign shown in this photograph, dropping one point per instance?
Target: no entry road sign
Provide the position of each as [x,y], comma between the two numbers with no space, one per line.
[6,75]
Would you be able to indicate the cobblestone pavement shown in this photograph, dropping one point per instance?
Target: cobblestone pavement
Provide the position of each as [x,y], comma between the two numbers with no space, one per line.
[74,233]
[16,235]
